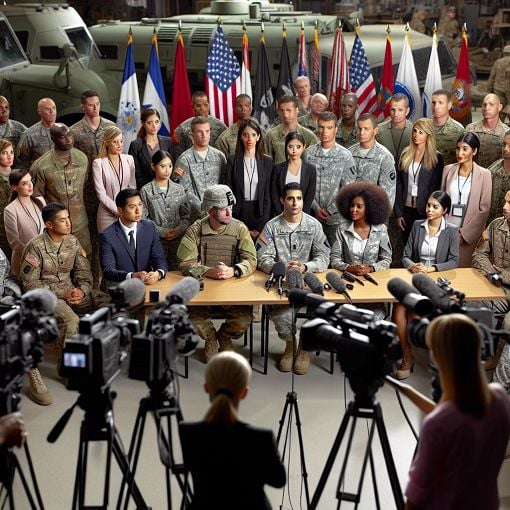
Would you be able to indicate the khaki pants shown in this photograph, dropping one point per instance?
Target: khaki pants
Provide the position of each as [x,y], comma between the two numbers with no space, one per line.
[237,321]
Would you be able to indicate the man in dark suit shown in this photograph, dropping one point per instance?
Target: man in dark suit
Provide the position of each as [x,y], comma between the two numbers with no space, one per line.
[130,247]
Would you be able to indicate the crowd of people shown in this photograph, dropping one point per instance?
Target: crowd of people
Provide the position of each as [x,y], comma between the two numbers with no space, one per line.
[312,192]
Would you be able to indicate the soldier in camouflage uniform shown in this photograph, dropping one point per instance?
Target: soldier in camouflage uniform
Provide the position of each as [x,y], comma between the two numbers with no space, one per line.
[418,20]
[60,176]
[302,88]
[219,247]
[9,129]
[347,133]
[447,129]
[199,167]
[6,161]
[318,104]
[332,162]
[490,130]
[499,81]
[275,138]
[36,140]
[373,161]
[183,134]
[500,173]
[449,27]
[297,240]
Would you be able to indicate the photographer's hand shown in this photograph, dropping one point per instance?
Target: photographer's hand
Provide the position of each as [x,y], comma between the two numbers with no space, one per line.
[12,430]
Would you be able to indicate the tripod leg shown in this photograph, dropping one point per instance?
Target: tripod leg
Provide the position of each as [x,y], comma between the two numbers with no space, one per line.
[304,473]
[34,479]
[81,468]
[374,481]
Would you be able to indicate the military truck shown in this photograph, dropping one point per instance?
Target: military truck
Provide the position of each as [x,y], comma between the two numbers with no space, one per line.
[53,55]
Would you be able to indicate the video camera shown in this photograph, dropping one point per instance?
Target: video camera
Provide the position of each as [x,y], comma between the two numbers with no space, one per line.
[366,348]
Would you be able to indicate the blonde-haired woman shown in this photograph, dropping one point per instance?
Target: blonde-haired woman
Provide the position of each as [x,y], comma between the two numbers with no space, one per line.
[112,171]
[230,461]
[463,440]
[419,174]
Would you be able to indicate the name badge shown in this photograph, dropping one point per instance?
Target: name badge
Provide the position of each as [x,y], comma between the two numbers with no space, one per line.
[458,210]
[414,190]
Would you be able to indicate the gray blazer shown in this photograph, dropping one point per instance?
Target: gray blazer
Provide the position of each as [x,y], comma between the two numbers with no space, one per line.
[447,253]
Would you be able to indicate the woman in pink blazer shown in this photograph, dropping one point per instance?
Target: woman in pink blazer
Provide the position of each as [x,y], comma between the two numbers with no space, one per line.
[22,217]
[112,171]
[470,187]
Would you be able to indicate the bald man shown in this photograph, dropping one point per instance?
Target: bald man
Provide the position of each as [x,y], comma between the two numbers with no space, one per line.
[36,140]
[9,129]
[490,130]
[318,104]
[347,129]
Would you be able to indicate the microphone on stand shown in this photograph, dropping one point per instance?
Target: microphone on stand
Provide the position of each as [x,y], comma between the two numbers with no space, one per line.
[336,282]
[276,275]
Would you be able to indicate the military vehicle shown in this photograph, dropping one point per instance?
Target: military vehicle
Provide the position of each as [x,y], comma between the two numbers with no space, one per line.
[55,37]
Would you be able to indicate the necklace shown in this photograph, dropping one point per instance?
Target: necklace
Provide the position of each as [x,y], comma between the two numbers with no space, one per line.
[253,165]
[37,219]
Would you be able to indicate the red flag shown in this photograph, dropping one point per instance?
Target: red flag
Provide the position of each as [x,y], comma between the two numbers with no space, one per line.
[386,89]
[302,60]
[316,60]
[245,67]
[461,96]
[338,73]
[181,95]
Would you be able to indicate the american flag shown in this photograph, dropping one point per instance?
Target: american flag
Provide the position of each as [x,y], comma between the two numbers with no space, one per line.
[316,60]
[302,60]
[338,73]
[362,82]
[223,78]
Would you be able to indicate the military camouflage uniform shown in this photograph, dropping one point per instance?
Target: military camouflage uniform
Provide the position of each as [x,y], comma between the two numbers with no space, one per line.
[332,167]
[446,139]
[343,137]
[377,165]
[183,137]
[33,143]
[195,174]
[417,24]
[394,139]
[491,141]
[500,186]
[9,288]
[308,122]
[5,198]
[227,141]
[274,142]
[12,131]
[278,242]
[201,248]
[449,28]
[168,210]
[499,81]
[60,181]
[58,267]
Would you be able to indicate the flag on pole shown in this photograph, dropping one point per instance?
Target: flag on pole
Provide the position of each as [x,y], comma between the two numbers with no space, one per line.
[386,88]
[128,115]
[316,62]
[461,97]
[362,83]
[263,100]
[181,95]
[284,87]
[154,93]
[223,78]
[407,81]
[433,80]
[302,60]
[245,67]
[338,73]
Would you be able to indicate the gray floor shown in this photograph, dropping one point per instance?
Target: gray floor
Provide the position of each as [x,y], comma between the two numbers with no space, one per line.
[321,406]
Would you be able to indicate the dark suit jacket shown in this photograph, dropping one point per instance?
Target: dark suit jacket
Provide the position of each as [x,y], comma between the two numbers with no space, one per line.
[429,180]
[116,261]
[230,464]
[447,253]
[235,180]
[138,149]
[308,185]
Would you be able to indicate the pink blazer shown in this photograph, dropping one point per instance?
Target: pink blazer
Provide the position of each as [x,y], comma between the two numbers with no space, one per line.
[477,210]
[21,228]
[107,186]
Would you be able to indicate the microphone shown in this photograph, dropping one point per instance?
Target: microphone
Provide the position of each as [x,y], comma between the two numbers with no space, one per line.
[183,291]
[294,280]
[438,296]
[351,278]
[277,271]
[314,283]
[128,293]
[410,297]
[336,282]
[40,300]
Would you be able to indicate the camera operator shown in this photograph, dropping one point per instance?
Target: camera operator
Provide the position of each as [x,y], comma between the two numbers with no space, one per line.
[12,430]
[491,256]
[463,440]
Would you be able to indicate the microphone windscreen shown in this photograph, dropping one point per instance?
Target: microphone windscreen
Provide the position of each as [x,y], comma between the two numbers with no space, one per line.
[278,269]
[301,297]
[183,291]
[314,283]
[428,287]
[400,288]
[133,291]
[294,279]
[41,300]
[336,282]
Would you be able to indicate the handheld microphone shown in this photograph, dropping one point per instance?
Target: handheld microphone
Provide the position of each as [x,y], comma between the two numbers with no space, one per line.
[336,282]
[370,279]
[41,300]
[314,283]
[410,297]
[351,278]
[128,293]
[427,286]
[294,280]
[277,271]
[183,291]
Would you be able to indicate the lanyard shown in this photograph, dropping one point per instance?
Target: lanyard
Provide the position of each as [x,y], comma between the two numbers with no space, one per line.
[120,173]
[38,221]
[250,176]
[469,177]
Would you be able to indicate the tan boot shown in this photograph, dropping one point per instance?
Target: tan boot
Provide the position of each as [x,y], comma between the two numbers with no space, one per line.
[285,362]
[37,390]
[492,362]
[302,362]
[407,365]
[210,349]
[225,343]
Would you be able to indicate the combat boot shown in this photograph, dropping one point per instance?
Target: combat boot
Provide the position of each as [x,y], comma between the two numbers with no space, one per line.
[285,362]
[211,348]
[225,343]
[37,390]
[302,362]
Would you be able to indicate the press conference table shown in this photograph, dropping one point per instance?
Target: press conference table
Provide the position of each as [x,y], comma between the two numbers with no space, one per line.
[251,291]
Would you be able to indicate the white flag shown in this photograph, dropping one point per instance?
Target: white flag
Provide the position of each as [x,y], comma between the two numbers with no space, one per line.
[433,81]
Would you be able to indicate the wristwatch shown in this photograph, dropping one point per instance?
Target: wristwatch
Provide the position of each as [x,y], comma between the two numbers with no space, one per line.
[237,272]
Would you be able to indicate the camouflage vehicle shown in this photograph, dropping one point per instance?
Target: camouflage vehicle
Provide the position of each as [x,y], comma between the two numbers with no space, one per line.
[65,62]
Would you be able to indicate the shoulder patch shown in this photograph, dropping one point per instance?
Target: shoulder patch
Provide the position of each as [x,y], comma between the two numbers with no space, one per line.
[392,176]
[263,239]
[179,171]
[83,253]
[484,235]
[32,260]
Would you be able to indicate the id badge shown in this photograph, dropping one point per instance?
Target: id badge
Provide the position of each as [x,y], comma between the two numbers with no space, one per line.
[458,210]
[414,190]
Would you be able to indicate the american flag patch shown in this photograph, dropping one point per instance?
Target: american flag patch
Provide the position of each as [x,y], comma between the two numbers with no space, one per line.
[32,259]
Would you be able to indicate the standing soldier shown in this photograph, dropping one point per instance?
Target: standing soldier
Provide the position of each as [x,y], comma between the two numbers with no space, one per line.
[347,133]
[418,20]
[500,173]
[499,81]
[449,27]
[10,130]
[318,105]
